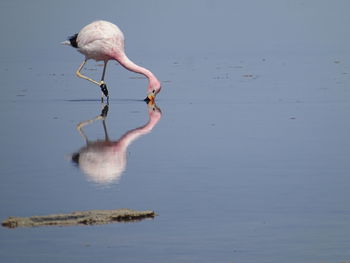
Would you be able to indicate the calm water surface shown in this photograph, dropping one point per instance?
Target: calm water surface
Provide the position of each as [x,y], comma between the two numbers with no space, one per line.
[246,160]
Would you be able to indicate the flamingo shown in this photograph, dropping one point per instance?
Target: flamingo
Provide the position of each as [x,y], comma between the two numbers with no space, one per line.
[104,41]
[104,161]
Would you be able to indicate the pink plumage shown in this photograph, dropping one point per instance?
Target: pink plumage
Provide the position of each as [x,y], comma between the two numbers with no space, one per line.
[104,41]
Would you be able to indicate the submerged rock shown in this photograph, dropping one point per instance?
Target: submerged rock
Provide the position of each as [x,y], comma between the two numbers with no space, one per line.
[90,217]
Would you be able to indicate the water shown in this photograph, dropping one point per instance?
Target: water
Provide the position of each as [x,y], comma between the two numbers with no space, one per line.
[248,161]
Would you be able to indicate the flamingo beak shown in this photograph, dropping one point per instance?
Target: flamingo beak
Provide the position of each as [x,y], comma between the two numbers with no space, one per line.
[150,98]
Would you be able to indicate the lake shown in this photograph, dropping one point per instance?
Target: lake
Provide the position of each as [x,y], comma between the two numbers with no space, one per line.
[244,157]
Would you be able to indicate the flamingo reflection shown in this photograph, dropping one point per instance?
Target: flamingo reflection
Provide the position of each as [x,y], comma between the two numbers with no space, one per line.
[104,161]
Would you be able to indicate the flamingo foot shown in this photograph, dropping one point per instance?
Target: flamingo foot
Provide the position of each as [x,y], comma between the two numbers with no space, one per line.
[104,111]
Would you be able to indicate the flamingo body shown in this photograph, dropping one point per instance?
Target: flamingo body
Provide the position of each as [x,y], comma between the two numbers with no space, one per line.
[101,40]
[104,41]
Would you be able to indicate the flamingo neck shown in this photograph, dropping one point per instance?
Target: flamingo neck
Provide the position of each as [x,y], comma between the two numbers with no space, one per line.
[132,135]
[128,64]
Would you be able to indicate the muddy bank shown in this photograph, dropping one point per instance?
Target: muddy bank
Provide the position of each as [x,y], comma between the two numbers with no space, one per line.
[90,217]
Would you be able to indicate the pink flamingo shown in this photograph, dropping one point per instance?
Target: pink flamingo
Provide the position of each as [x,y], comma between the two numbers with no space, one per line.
[104,161]
[104,41]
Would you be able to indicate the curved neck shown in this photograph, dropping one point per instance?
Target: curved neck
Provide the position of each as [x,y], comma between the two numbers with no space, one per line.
[132,135]
[128,64]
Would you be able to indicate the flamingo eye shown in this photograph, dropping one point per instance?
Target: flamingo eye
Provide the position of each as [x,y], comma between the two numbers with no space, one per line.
[154,91]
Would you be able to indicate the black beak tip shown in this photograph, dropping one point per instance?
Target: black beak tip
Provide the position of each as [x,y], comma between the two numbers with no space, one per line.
[147,100]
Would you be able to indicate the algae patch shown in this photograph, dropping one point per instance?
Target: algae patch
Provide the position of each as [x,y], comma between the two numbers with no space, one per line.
[90,217]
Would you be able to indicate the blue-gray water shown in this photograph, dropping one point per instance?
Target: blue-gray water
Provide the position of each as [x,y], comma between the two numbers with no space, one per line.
[248,163]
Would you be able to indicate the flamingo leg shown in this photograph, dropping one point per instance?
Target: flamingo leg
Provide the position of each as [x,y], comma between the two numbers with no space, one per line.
[105,129]
[102,83]
[104,71]
[85,77]
[102,117]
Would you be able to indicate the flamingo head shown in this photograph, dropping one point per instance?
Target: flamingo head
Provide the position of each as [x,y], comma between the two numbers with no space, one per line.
[153,89]
[154,112]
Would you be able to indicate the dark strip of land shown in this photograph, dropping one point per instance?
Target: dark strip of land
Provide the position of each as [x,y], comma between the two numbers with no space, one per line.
[90,217]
